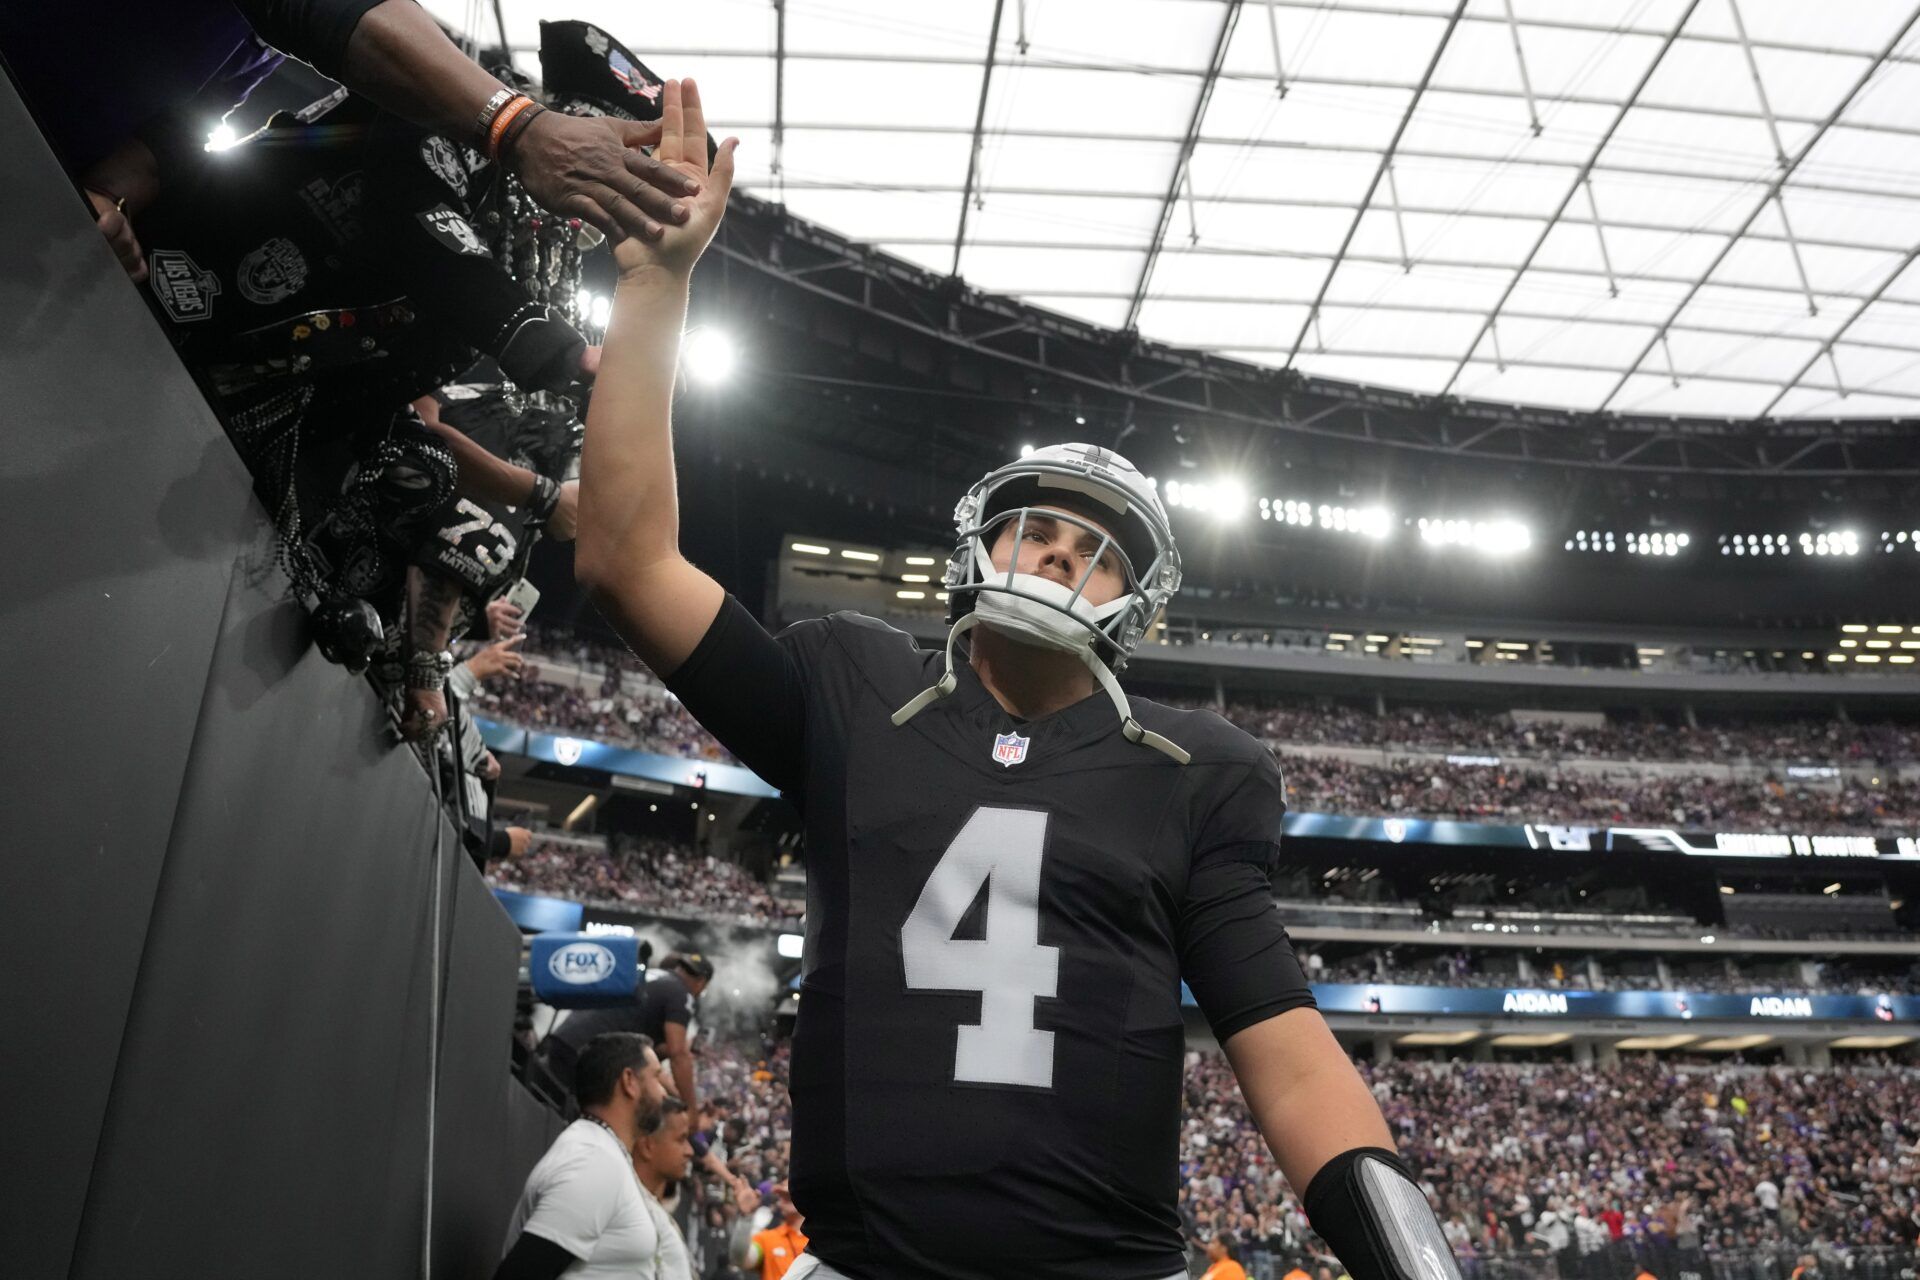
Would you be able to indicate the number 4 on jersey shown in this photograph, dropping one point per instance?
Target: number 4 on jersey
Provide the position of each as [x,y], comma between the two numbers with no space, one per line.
[1002,849]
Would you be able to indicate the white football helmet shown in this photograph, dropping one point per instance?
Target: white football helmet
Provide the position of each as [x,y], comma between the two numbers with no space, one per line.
[1106,495]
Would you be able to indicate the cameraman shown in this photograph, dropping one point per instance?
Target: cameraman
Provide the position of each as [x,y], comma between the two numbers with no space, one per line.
[664,1009]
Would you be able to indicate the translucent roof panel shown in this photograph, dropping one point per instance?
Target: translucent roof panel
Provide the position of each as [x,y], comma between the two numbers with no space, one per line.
[1639,205]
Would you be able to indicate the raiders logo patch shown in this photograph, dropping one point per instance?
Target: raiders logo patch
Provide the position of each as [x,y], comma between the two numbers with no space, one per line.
[454,231]
[186,292]
[438,155]
[271,273]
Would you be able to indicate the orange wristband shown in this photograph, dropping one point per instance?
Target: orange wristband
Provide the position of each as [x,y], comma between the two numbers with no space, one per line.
[501,121]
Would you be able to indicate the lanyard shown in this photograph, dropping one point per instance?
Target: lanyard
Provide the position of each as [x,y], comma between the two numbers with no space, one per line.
[662,1221]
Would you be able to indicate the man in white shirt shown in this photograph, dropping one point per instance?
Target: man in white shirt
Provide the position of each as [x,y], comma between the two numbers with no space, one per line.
[662,1159]
[583,1214]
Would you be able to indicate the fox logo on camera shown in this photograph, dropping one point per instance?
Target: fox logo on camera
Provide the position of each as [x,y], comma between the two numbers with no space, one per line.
[581,963]
[575,971]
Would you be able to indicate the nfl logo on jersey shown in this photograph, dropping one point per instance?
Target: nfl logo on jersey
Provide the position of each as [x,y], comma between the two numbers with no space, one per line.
[1010,748]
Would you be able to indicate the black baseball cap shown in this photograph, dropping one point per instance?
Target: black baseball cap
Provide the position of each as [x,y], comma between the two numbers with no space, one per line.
[585,71]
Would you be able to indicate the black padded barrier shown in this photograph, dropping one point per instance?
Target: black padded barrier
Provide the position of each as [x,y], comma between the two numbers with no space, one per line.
[214,1055]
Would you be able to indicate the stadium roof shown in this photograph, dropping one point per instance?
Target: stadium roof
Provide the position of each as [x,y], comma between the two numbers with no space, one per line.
[1693,207]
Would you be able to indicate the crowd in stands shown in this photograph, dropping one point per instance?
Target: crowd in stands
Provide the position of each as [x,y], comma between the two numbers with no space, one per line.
[645,721]
[746,1084]
[1598,1170]
[1490,969]
[629,709]
[645,874]
[1588,1171]
[1426,788]
[1446,729]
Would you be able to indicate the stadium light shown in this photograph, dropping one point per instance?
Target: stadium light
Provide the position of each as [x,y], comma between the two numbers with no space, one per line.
[599,310]
[810,549]
[921,560]
[708,354]
[1224,499]
[868,557]
[1371,522]
[1489,537]
[1026,451]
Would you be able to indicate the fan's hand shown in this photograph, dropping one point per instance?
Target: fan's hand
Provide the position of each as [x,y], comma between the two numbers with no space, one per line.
[593,169]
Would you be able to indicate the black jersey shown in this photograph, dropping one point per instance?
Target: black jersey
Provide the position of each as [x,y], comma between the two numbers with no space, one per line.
[661,999]
[478,542]
[987,1062]
[347,252]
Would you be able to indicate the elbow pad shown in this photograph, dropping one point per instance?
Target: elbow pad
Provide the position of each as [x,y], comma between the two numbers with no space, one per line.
[1365,1204]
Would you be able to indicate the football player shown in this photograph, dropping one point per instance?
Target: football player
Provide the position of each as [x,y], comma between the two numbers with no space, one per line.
[1011,865]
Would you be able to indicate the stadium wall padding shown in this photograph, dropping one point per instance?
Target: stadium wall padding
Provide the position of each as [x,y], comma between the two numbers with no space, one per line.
[218,946]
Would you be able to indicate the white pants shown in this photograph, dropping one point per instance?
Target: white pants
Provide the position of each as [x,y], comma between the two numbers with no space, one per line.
[808,1267]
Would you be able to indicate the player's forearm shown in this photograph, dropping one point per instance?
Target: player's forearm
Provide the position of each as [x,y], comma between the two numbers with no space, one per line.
[431,604]
[629,510]
[1305,1096]
[400,58]
[683,1081]
[481,474]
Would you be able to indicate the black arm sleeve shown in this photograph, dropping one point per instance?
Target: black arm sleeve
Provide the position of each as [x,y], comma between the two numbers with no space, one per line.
[746,689]
[1234,952]
[1365,1203]
[499,843]
[314,31]
[533,1258]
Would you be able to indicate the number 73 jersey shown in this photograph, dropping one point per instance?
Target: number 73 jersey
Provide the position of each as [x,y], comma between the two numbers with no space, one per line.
[988,1058]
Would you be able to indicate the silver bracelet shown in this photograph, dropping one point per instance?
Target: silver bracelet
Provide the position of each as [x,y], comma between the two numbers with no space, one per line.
[492,109]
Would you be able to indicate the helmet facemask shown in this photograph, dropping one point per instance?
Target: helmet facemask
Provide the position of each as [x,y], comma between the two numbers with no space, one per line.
[1036,610]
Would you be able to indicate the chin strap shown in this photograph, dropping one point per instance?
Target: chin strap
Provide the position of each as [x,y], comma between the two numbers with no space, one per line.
[947,682]
[1131,729]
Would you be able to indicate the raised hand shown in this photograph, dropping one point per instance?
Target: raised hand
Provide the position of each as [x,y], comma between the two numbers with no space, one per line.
[593,169]
[499,658]
[683,149]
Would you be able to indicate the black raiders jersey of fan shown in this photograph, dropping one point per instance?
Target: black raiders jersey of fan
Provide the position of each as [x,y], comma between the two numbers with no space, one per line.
[480,543]
[350,243]
[988,1056]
